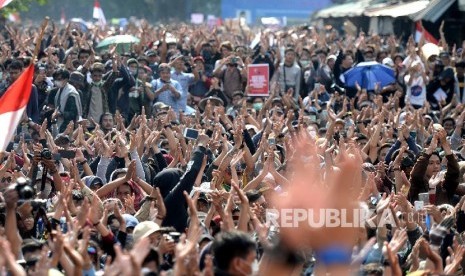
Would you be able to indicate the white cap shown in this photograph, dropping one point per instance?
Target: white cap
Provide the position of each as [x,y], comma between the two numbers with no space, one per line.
[388,61]
[331,57]
[145,229]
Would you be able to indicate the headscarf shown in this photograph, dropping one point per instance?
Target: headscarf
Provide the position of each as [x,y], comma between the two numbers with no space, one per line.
[138,194]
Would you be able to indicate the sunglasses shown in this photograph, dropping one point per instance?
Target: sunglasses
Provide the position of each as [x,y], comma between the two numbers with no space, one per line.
[7,179]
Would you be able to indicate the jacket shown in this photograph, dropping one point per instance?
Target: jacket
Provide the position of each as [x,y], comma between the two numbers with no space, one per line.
[104,90]
[419,182]
[176,207]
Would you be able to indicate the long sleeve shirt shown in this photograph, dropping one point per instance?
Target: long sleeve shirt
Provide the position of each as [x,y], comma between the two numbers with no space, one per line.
[290,76]
[420,184]
[176,207]
[167,96]
[411,145]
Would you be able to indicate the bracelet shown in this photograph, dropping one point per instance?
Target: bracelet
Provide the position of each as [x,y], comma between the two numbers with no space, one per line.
[96,224]
[82,162]
[160,217]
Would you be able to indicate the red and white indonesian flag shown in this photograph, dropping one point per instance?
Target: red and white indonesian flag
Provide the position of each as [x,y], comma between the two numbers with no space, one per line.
[428,37]
[98,14]
[3,3]
[13,104]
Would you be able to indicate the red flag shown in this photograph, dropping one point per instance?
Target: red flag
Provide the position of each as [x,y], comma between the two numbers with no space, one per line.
[13,104]
[3,3]
[428,37]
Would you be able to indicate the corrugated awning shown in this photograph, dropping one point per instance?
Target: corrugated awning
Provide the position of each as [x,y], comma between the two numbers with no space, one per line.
[433,11]
[398,10]
[351,9]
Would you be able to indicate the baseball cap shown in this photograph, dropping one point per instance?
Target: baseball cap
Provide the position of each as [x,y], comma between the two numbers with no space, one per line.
[444,54]
[331,57]
[130,220]
[145,229]
[199,58]
[388,61]
[77,77]
[150,53]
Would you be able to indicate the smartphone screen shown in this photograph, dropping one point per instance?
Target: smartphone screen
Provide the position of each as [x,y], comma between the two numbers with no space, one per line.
[69,154]
[191,133]
[424,197]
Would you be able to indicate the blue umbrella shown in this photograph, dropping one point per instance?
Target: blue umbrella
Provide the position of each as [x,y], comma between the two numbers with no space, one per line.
[367,74]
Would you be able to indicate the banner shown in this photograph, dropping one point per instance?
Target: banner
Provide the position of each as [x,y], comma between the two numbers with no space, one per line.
[258,78]
[197,18]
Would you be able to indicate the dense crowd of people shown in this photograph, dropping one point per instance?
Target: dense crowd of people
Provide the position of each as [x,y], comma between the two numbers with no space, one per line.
[152,158]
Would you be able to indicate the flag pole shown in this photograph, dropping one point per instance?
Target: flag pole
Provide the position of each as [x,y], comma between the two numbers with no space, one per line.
[39,39]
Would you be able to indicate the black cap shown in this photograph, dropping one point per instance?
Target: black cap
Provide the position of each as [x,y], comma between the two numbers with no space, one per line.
[151,53]
[444,54]
[238,93]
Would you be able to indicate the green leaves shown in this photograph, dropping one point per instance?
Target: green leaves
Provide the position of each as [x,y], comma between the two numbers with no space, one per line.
[20,5]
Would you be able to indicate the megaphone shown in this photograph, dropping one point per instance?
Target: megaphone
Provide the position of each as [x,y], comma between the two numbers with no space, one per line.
[429,50]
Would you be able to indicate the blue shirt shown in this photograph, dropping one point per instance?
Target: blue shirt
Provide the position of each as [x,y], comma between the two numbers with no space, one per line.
[167,97]
[185,79]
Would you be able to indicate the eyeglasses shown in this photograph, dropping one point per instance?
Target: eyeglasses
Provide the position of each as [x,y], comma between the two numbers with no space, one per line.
[55,53]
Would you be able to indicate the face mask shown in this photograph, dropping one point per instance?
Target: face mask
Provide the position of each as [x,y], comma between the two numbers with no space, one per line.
[253,267]
[59,84]
[305,63]
[257,106]
[133,71]
[98,84]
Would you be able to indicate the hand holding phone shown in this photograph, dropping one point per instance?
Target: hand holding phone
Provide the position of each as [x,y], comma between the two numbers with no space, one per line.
[191,133]
[68,154]
[424,197]
[419,205]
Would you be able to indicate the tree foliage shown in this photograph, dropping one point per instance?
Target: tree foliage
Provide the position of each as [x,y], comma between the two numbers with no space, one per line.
[152,10]
[21,6]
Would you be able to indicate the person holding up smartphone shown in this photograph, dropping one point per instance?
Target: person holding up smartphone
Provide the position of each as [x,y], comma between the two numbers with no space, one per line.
[166,89]
[426,175]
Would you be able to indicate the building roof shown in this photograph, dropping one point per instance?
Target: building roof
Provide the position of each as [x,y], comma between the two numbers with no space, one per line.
[397,10]
[433,11]
[351,9]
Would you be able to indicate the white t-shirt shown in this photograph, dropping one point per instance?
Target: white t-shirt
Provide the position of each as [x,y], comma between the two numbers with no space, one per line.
[416,92]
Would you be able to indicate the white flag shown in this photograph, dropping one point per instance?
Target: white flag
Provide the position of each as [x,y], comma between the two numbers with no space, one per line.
[98,14]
